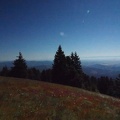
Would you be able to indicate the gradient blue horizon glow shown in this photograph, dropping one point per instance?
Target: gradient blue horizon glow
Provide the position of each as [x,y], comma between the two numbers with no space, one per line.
[38,27]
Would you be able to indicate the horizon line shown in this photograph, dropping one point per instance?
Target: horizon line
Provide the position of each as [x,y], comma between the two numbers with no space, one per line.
[81,58]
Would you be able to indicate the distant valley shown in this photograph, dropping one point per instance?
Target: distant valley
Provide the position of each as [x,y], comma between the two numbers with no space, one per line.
[90,67]
[98,70]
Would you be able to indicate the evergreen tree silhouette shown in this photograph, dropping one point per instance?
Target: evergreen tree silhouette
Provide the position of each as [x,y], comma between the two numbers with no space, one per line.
[59,66]
[5,71]
[117,86]
[33,73]
[76,74]
[20,68]
[76,62]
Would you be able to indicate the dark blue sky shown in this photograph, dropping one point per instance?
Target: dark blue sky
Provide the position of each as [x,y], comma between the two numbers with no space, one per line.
[38,27]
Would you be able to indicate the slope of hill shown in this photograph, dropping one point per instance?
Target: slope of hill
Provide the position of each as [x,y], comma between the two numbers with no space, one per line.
[34,100]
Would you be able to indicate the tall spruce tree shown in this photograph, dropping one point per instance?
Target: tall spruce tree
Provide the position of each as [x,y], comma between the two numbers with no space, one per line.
[20,68]
[76,62]
[59,66]
[67,69]
[74,69]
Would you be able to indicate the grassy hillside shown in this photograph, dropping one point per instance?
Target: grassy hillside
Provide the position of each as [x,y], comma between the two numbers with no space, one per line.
[32,100]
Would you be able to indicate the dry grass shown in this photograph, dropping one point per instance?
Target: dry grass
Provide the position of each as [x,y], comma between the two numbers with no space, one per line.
[22,99]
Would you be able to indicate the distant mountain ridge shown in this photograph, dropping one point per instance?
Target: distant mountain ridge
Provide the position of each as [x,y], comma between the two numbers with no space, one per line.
[99,70]
[91,68]
[6,63]
[36,64]
[41,65]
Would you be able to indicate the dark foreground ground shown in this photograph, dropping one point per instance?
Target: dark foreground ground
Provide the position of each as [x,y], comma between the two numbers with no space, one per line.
[22,99]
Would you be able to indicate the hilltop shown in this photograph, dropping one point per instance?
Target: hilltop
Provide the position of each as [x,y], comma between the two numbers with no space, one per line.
[34,100]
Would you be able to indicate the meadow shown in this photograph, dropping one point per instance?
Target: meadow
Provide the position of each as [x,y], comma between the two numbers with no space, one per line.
[22,99]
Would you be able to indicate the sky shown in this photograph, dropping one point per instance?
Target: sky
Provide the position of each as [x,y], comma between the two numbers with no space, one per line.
[37,27]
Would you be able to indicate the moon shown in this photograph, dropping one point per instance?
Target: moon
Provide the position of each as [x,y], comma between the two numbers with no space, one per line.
[88,11]
[62,34]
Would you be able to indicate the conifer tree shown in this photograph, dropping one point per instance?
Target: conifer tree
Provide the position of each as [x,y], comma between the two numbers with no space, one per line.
[75,70]
[20,68]
[5,71]
[59,66]
[117,86]
[76,62]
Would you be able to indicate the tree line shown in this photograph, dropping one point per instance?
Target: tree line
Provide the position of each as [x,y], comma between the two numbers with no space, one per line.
[66,70]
